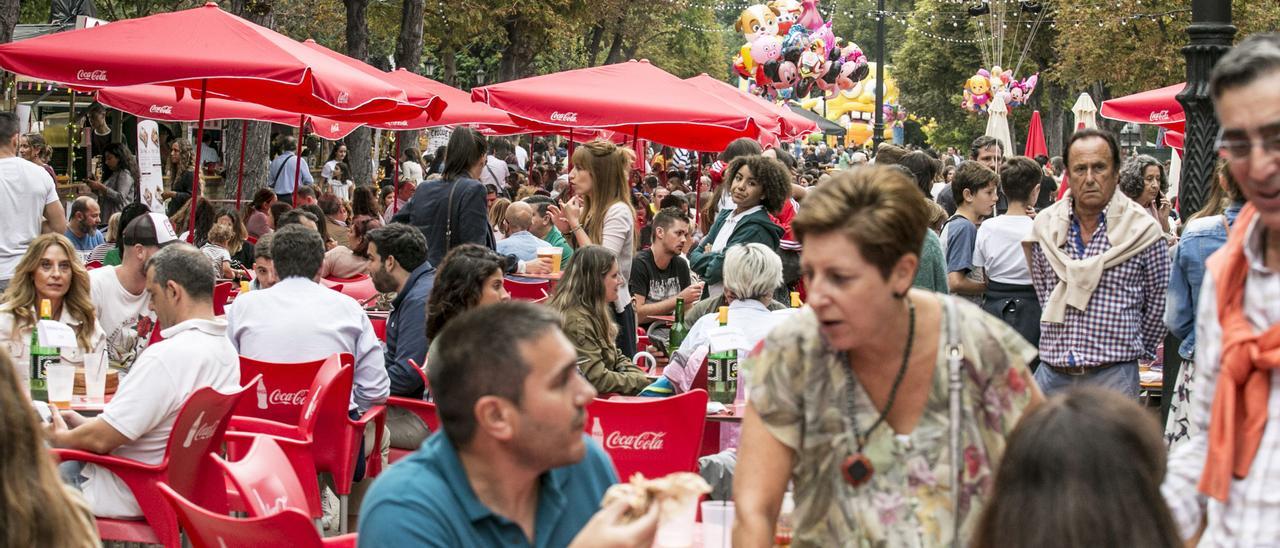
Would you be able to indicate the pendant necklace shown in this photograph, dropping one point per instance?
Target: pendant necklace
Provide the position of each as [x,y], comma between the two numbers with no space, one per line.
[857,468]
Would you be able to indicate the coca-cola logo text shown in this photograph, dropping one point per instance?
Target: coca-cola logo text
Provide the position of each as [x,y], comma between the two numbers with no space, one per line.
[287,398]
[92,75]
[162,109]
[1161,116]
[564,117]
[343,98]
[644,441]
[399,123]
[335,127]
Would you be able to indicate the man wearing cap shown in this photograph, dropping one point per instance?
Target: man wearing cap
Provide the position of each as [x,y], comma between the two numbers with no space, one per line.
[119,293]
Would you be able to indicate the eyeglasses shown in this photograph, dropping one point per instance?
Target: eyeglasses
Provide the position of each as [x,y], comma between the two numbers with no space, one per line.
[1239,149]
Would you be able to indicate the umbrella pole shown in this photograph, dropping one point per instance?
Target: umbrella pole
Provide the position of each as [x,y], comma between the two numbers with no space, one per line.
[244,136]
[395,171]
[297,159]
[195,177]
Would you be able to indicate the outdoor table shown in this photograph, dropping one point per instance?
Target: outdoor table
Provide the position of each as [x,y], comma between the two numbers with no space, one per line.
[669,318]
[82,405]
[553,277]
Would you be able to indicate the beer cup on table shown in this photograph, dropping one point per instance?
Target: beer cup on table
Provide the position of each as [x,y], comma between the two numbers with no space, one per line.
[95,376]
[61,382]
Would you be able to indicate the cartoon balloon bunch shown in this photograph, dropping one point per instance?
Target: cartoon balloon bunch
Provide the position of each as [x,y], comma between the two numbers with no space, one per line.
[791,53]
[984,86]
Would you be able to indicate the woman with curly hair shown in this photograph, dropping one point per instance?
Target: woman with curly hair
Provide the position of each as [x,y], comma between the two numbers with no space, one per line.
[50,270]
[36,508]
[759,186]
[1143,180]
[469,276]
[589,285]
[119,184]
[181,169]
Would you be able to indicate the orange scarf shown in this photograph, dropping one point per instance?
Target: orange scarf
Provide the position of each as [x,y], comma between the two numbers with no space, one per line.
[1244,382]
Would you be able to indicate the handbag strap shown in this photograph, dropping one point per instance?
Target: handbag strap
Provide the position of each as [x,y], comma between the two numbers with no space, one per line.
[955,359]
[448,219]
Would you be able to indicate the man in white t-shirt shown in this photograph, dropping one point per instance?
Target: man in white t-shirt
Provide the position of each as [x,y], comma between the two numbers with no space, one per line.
[136,423]
[119,293]
[998,251]
[29,204]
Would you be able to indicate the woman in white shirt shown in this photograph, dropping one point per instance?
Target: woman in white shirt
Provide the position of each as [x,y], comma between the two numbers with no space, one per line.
[410,167]
[600,212]
[49,270]
[338,156]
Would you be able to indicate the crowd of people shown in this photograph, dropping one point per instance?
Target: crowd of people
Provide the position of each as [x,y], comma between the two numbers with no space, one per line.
[966,360]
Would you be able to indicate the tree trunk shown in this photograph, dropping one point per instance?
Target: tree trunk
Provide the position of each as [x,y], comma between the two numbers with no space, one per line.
[409,54]
[449,58]
[8,19]
[593,44]
[517,55]
[257,149]
[615,46]
[360,142]
[1053,129]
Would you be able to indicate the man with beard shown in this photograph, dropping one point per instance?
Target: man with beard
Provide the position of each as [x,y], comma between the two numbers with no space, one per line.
[398,263]
[660,275]
[514,467]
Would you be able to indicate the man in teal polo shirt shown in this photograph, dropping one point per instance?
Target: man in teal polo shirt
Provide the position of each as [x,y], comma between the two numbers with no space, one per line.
[512,467]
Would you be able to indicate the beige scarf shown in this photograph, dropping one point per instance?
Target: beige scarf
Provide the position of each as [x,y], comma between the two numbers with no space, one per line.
[1130,229]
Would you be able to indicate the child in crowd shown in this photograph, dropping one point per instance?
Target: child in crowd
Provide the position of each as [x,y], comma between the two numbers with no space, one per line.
[1085,467]
[340,183]
[216,250]
[975,192]
[998,252]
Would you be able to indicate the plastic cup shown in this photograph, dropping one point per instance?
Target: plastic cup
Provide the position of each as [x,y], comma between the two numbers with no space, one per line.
[61,380]
[676,517]
[717,524]
[552,254]
[95,376]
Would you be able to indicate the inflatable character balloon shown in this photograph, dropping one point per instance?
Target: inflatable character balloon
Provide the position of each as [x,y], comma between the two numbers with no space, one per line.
[788,13]
[756,21]
[977,93]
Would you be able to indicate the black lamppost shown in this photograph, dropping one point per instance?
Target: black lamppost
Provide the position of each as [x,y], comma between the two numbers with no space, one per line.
[479,77]
[877,129]
[429,68]
[1211,33]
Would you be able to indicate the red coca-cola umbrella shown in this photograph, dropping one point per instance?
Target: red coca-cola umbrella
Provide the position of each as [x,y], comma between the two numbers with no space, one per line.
[209,50]
[1157,107]
[179,105]
[769,119]
[458,110]
[633,97]
[419,103]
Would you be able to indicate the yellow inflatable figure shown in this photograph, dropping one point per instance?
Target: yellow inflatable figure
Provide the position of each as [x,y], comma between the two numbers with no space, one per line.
[855,109]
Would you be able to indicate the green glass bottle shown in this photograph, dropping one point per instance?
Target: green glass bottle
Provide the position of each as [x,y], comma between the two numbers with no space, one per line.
[722,372]
[41,356]
[679,329]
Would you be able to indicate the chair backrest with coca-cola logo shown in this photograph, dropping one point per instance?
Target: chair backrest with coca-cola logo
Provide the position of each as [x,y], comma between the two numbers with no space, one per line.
[198,430]
[655,437]
[221,294]
[535,291]
[276,473]
[282,390]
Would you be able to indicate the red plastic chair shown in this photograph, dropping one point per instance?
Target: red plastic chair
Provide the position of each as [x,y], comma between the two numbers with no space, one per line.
[425,410]
[379,328]
[92,265]
[262,479]
[282,388]
[527,291]
[333,439]
[655,437]
[359,288]
[186,467]
[221,294]
[289,527]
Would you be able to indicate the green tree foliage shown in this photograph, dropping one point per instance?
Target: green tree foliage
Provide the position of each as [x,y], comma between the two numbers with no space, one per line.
[931,74]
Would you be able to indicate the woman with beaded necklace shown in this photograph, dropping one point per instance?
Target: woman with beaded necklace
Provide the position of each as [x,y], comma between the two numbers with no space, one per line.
[887,406]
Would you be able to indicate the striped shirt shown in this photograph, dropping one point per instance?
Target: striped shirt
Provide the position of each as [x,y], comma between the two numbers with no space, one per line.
[1251,515]
[1124,320]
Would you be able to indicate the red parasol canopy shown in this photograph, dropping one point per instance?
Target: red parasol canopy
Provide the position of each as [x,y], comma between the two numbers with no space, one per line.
[1158,106]
[198,47]
[178,105]
[1174,139]
[420,102]
[633,97]
[769,119]
[1035,138]
[459,109]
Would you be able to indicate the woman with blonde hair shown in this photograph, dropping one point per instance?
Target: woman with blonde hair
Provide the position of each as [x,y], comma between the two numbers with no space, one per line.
[498,218]
[584,295]
[36,508]
[49,270]
[600,213]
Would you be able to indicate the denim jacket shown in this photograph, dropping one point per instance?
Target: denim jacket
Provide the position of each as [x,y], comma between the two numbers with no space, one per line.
[1200,239]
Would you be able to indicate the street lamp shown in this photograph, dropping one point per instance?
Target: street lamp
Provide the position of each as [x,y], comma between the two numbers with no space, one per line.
[877,129]
[479,77]
[1130,136]
[429,67]
[1211,33]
